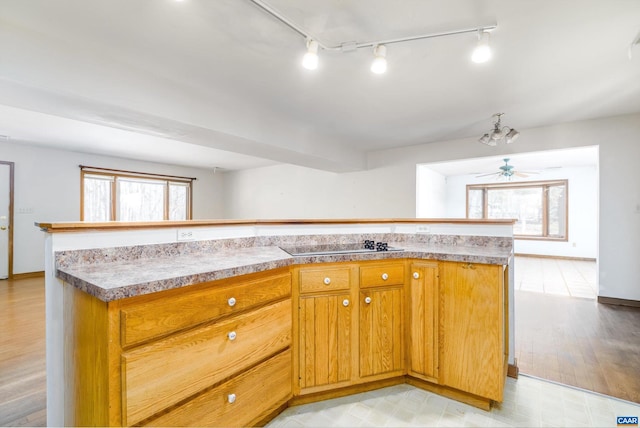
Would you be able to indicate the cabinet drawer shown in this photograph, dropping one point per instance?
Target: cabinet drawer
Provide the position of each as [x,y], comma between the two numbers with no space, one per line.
[240,401]
[323,279]
[159,375]
[177,309]
[379,275]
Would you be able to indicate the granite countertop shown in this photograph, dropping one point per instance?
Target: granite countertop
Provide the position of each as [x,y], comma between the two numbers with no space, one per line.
[121,279]
[124,278]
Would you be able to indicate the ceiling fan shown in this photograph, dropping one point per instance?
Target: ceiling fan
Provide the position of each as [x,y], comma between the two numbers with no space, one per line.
[507,172]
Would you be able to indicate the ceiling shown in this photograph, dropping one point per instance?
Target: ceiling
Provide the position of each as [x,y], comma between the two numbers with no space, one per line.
[536,161]
[219,83]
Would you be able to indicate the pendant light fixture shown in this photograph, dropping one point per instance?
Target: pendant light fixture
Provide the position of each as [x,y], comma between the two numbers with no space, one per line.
[379,64]
[310,59]
[499,133]
[482,52]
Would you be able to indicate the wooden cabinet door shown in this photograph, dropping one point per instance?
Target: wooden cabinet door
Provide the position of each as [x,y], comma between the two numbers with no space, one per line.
[381,331]
[472,318]
[325,340]
[424,298]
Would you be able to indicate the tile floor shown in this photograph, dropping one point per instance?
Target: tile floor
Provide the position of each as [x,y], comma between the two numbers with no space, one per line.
[528,402]
[571,278]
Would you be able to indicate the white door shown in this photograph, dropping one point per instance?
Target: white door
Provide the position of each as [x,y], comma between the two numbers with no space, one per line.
[4,220]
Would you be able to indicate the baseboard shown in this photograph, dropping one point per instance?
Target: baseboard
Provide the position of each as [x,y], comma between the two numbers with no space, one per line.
[348,390]
[619,302]
[445,391]
[26,275]
[513,370]
[544,256]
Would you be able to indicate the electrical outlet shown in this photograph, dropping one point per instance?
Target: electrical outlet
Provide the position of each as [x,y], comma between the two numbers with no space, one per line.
[423,229]
[185,235]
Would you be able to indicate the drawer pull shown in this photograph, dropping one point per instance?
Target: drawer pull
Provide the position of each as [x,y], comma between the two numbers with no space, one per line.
[231,398]
[385,276]
[327,281]
[468,266]
[232,301]
[231,335]
[416,275]
[367,300]
[345,302]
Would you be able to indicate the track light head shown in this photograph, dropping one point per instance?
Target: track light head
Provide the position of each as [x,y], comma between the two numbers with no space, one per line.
[310,59]
[482,52]
[379,64]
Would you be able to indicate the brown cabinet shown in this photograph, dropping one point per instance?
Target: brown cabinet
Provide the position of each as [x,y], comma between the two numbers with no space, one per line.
[349,324]
[182,357]
[233,351]
[381,331]
[325,320]
[381,319]
[325,341]
[473,349]
[423,304]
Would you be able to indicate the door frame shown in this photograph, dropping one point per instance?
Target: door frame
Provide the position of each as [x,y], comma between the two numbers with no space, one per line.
[11,184]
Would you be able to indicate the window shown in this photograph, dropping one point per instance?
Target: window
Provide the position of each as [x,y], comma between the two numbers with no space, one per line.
[131,196]
[539,207]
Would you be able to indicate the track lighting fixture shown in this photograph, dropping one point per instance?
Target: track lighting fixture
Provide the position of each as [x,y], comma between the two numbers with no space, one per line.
[482,52]
[379,64]
[310,59]
[499,133]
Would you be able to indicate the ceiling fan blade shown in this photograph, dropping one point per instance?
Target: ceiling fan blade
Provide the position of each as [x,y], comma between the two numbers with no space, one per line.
[487,175]
[520,174]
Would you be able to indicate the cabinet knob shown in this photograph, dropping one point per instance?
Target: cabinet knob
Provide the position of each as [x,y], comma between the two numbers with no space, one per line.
[385,276]
[327,281]
[231,398]
[367,300]
[416,275]
[231,335]
[345,302]
[231,301]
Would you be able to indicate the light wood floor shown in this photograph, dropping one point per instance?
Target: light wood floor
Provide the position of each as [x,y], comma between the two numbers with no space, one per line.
[569,340]
[22,353]
[563,334]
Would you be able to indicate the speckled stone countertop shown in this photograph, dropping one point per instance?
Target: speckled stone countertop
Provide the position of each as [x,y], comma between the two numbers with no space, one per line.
[120,279]
[112,274]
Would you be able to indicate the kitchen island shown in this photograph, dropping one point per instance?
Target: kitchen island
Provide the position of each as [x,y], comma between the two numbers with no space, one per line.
[253,321]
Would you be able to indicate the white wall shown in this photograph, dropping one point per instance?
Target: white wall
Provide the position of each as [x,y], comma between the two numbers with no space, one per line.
[431,193]
[583,210]
[47,187]
[288,191]
[392,178]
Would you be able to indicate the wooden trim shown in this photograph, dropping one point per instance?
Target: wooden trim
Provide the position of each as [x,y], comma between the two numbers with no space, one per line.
[544,185]
[349,390]
[97,169]
[513,370]
[120,225]
[619,302]
[11,209]
[445,391]
[39,274]
[116,176]
[545,256]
